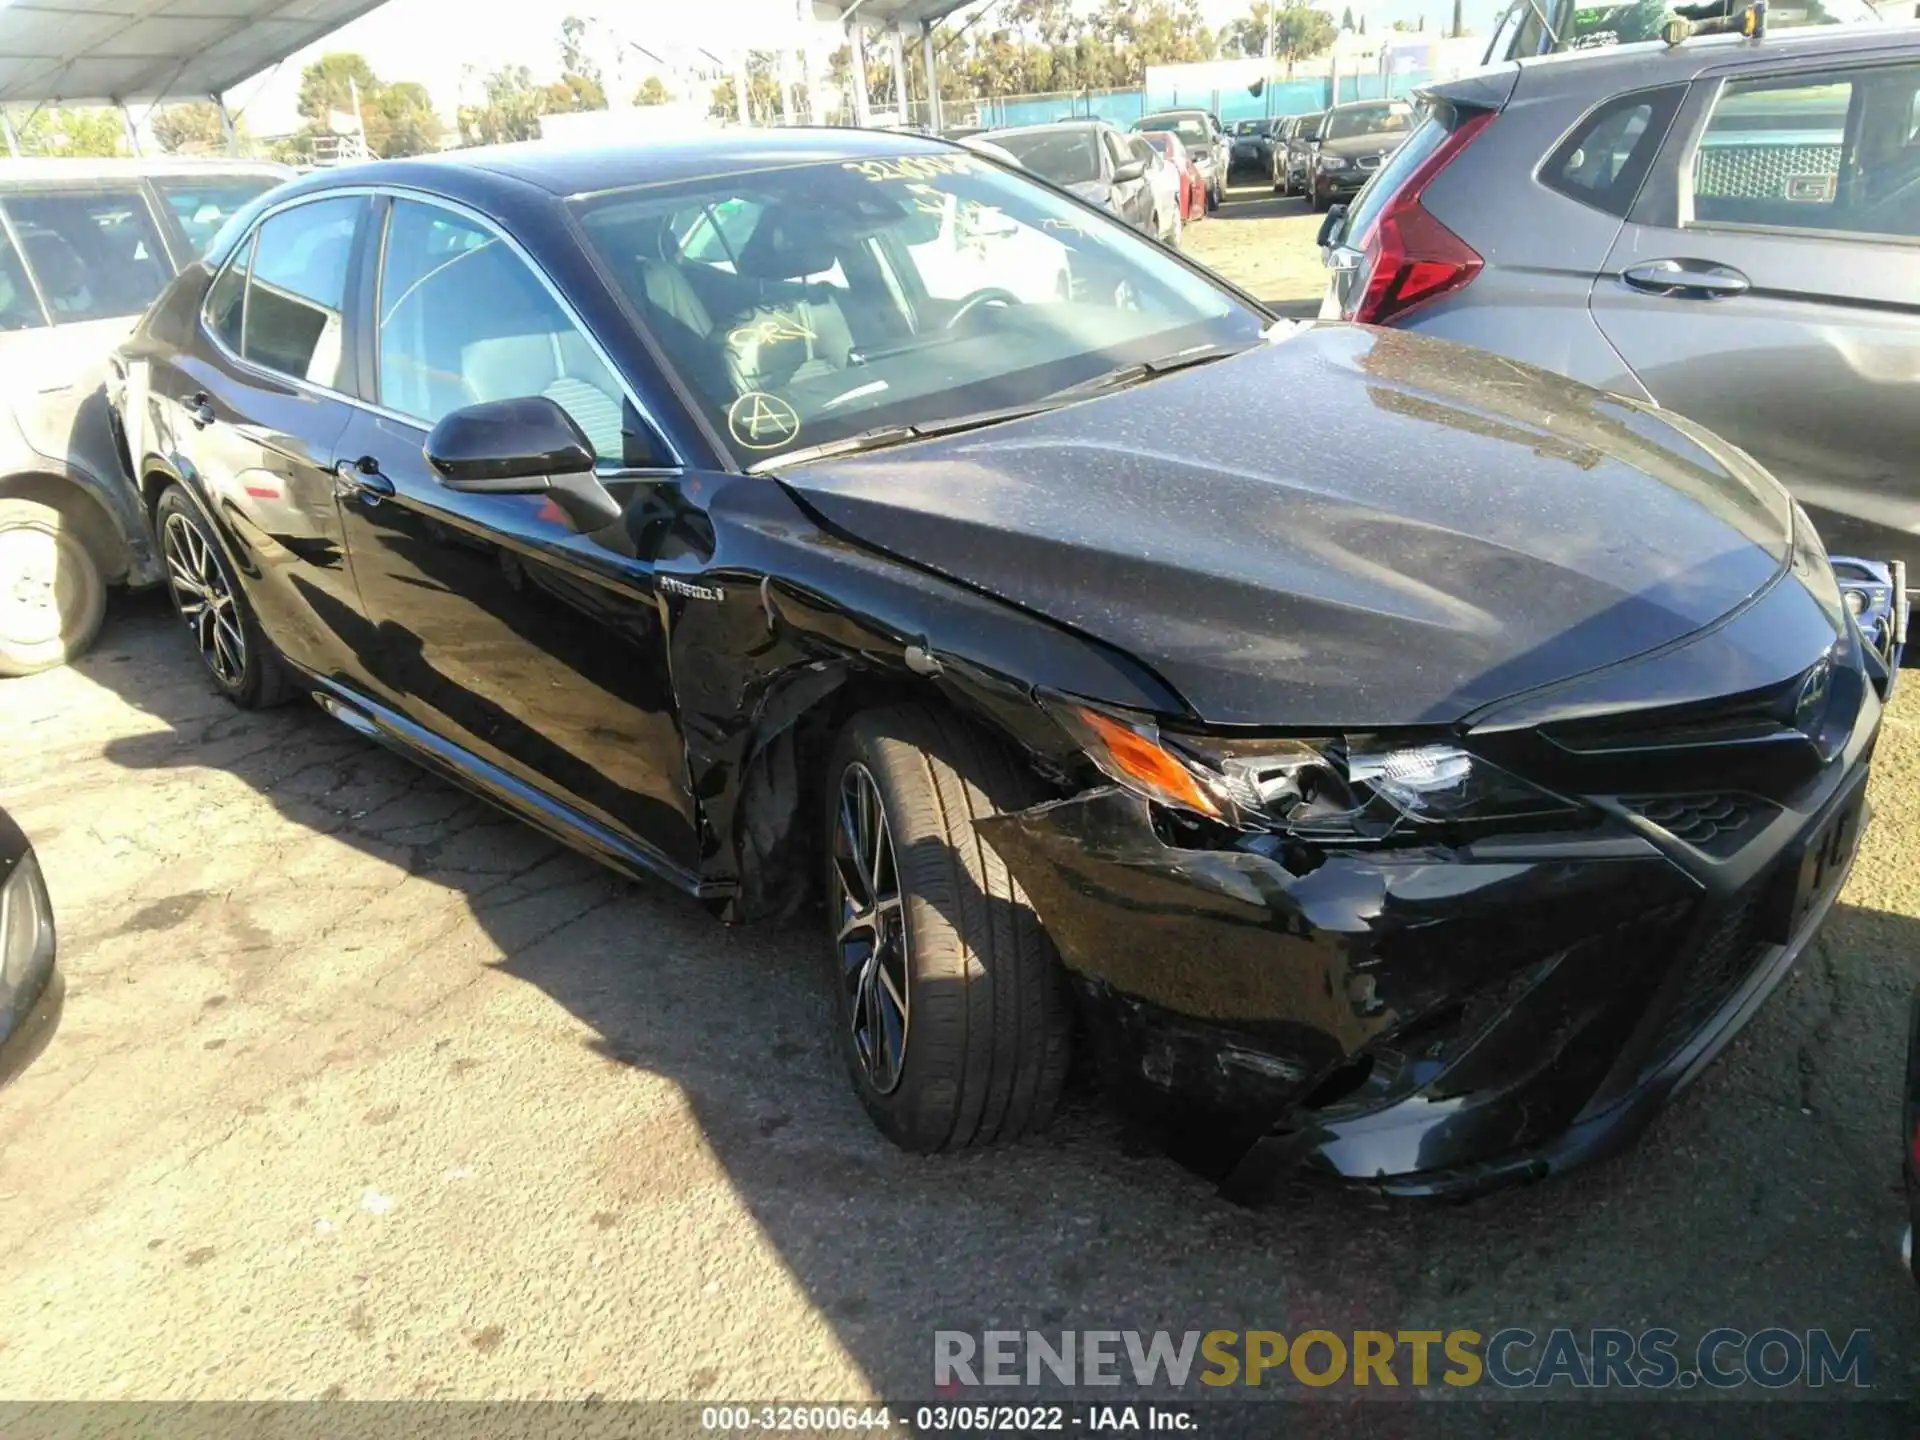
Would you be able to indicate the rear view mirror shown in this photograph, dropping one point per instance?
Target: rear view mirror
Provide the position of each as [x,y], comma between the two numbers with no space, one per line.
[524,446]
[1132,170]
[1333,229]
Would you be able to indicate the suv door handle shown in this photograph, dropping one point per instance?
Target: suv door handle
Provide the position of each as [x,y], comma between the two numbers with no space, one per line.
[1687,279]
[362,479]
[200,409]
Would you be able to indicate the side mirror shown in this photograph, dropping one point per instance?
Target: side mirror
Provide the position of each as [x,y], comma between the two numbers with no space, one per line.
[524,446]
[1334,228]
[1132,170]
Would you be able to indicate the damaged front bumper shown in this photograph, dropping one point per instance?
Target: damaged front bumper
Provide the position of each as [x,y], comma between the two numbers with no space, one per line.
[1439,1020]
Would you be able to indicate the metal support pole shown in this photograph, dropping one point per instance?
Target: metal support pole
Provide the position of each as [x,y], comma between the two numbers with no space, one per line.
[935,121]
[900,105]
[6,128]
[133,132]
[740,89]
[226,124]
[857,53]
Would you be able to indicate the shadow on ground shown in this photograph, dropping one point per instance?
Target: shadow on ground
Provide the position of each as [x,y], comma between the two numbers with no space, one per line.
[1766,1196]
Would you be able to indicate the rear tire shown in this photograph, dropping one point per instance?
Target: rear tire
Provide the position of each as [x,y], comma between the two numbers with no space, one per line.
[52,594]
[950,960]
[233,649]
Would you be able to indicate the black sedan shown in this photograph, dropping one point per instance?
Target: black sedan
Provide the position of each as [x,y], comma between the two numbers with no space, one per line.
[1353,142]
[767,515]
[30,989]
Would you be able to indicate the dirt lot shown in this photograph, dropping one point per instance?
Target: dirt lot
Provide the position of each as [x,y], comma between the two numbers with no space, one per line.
[364,1090]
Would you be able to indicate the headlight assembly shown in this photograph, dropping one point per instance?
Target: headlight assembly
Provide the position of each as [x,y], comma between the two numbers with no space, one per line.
[1333,162]
[1337,789]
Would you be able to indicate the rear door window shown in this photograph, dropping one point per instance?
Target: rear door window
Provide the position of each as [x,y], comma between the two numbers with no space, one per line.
[1603,162]
[19,306]
[296,295]
[96,254]
[1834,151]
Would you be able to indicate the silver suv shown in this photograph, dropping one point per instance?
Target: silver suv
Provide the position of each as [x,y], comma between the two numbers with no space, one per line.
[85,245]
[1727,228]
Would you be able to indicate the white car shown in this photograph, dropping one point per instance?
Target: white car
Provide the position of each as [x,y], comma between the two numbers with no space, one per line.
[1165,182]
[974,247]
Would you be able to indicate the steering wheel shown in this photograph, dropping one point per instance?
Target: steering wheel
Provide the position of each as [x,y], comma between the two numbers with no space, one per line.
[992,295]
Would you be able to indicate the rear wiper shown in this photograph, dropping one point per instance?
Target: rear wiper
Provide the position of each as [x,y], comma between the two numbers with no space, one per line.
[882,436]
[1125,375]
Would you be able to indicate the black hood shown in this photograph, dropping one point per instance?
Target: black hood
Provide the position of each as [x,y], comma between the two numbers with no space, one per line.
[1365,528]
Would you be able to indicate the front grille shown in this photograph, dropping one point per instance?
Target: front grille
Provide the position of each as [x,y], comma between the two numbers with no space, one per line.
[1767,172]
[1713,972]
[1717,824]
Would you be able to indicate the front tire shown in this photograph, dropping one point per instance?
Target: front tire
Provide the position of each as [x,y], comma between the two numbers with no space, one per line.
[233,649]
[52,594]
[952,1017]
[1321,200]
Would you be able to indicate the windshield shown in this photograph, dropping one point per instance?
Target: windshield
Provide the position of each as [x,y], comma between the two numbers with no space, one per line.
[1066,157]
[1191,129]
[203,206]
[805,305]
[1624,23]
[1367,120]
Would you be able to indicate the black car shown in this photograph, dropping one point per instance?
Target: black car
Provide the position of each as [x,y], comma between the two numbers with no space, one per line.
[1296,165]
[30,989]
[1427,820]
[1352,142]
[1252,142]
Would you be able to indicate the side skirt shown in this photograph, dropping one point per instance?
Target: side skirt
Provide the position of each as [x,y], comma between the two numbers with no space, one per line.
[618,852]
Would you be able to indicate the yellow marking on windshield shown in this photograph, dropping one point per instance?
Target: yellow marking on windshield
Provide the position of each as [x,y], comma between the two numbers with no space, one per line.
[771,331]
[912,167]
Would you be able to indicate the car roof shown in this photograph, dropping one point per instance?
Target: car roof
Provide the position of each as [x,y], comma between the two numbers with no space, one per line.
[572,168]
[1053,125]
[1651,61]
[1176,110]
[37,171]
[1371,104]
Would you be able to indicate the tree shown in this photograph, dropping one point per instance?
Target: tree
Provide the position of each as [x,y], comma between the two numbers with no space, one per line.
[574,92]
[653,91]
[511,110]
[763,91]
[579,86]
[398,119]
[1247,35]
[1363,24]
[409,124]
[329,85]
[194,129]
[1300,33]
[1346,18]
[79,132]
[1458,29]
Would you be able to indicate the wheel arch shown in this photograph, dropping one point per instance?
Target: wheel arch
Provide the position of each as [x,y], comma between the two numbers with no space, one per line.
[80,503]
[773,653]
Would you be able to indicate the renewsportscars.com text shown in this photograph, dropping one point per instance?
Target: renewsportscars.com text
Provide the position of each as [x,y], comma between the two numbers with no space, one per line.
[1512,1358]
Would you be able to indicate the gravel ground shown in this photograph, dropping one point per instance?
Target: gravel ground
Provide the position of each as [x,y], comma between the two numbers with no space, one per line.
[364,1090]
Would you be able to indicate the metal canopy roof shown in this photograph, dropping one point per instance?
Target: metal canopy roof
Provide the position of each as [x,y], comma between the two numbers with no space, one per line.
[887,14]
[118,50]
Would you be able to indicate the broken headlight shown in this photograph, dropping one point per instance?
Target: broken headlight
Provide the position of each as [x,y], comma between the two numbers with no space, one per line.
[1334,788]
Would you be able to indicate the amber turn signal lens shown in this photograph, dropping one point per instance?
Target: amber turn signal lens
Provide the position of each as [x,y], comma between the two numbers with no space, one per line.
[1146,762]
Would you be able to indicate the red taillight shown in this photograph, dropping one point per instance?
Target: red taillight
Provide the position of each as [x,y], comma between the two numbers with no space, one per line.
[1411,257]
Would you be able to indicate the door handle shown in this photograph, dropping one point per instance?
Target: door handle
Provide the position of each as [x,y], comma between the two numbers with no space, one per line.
[200,409]
[361,479]
[1687,279]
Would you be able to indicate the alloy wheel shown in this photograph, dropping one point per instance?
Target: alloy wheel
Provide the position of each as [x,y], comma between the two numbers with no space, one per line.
[870,929]
[32,599]
[204,599]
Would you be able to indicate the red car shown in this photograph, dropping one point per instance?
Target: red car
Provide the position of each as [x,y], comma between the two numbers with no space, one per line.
[1193,190]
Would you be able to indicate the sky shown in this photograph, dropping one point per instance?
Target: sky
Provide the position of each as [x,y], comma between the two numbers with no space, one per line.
[422,40]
